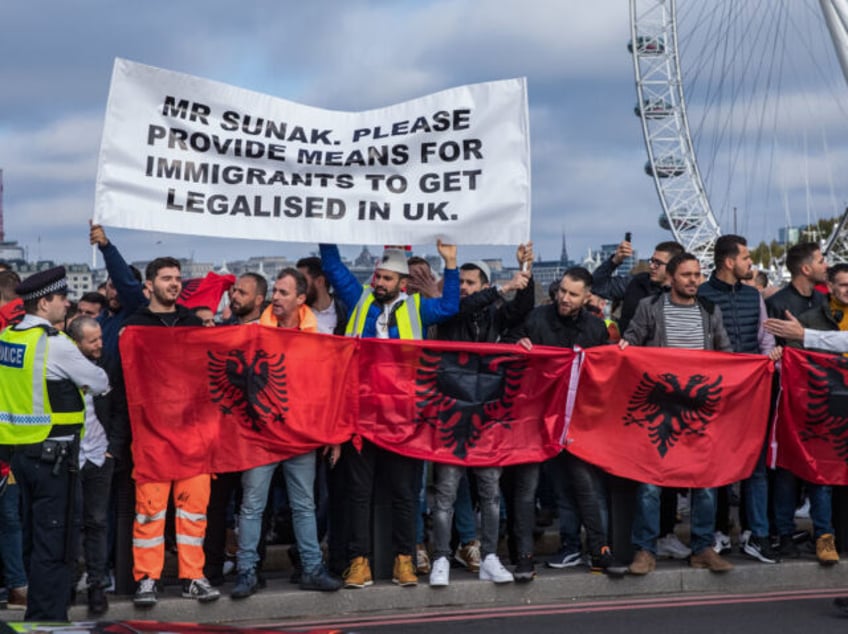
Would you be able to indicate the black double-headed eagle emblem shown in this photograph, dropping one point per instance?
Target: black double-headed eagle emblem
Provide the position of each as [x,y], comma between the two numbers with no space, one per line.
[827,405]
[463,394]
[253,391]
[669,410]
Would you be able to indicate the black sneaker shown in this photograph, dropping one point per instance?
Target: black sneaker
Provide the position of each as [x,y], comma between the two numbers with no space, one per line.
[145,594]
[565,558]
[201,590]
[320,579]
[602,560]
[525,570]
[97,602]
[788,547]
[759,548]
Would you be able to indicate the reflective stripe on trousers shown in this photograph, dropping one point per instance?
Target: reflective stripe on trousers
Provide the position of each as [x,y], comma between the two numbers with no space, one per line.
[191,497]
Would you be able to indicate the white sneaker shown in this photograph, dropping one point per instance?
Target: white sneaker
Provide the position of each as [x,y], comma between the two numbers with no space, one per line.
[803,511]
[440,573]
[493,570]
[671,547]
[721,544]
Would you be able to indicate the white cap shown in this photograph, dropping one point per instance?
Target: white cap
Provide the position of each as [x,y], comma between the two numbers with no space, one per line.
[485,268]
[394,260]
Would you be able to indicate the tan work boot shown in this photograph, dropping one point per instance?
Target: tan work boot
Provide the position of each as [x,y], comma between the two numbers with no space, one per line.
[643,563]
[826,550]
[358,574]
[422,560]
[403,572]
[710,559]
[469,555]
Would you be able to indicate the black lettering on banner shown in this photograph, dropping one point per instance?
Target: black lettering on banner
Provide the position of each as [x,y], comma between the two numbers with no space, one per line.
[441,121]
[372,210]
[395,183]
[450,151]
[180,109]
[426,211]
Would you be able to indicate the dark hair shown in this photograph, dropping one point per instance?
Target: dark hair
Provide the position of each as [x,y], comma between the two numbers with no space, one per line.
[800,254]
[762,278]
[579,274]
[417,259]
[197,309]
[300,283]
[93,297]
[77,325]
[468,266]
[671,247]
[31,305]
[677,260]
[160,263]
[312,264]
[727,247]
[835,270]
[261,283]
[8,281]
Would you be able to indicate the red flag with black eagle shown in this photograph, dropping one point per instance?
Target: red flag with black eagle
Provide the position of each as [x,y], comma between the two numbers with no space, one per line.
[812,418]
[464,403]
[670,417]
[213,400]
[206,291]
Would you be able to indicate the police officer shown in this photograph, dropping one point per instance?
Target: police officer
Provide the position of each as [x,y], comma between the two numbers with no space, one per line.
[42,379]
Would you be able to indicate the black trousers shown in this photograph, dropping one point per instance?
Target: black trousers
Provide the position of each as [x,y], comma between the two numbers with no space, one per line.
[44,502]
[404,477]
[96,492]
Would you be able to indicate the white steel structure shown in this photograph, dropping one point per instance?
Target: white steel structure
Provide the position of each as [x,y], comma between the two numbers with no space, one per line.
[759,113]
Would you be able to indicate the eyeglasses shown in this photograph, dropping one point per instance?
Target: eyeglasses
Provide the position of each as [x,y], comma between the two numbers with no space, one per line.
[657,263]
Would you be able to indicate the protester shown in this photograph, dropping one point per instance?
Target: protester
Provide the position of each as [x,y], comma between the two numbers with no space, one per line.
[288,309]
[386,311]
[45,419]
[11,306]
[678,318]
[743,310]
[565,324]
[483,316]
[808,267]
[96,466]
[91,304]
[163,281]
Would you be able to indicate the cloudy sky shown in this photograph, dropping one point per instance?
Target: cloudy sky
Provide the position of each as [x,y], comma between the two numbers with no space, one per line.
[587,149]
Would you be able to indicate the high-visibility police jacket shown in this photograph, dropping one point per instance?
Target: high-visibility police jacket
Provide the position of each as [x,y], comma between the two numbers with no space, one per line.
[415,314]
[30,404]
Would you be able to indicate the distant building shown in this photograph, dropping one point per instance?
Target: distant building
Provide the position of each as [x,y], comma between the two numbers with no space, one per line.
[789,235]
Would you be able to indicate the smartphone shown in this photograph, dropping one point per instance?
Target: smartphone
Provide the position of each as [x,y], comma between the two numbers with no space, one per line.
[627,237]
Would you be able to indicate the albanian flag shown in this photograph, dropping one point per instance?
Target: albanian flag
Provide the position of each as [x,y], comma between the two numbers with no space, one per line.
[812,419]
[678,418]
[206,291]
[464,403]
[213,400]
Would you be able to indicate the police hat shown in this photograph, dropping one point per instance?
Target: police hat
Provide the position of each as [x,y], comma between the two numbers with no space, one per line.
[43,283]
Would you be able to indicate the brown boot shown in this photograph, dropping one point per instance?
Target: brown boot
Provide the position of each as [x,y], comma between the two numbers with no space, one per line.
[643,563]
[826,550]
[403,573]
[708,558]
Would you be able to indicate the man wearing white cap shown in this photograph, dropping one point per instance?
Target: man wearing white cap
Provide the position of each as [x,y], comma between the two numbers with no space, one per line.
[384,310]
[42,379]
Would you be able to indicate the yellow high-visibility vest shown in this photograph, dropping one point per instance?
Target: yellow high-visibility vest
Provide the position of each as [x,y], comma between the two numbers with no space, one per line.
[26,414]
[408,316]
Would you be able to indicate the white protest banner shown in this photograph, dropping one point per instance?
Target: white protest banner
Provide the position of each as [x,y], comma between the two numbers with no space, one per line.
[182,154]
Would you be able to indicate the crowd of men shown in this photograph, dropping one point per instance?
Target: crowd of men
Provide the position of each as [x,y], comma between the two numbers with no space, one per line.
[60,376]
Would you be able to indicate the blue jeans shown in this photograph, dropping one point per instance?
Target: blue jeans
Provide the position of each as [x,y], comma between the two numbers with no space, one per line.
[646,521]
[300,481]
[786,497]
[755,493]
[11,538]
[464,518]
[447,482]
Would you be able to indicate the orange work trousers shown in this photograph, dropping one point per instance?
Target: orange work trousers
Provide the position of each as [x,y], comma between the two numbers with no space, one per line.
[191,497]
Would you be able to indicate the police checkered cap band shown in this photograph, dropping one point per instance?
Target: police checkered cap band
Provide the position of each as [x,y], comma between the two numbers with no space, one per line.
[59,286]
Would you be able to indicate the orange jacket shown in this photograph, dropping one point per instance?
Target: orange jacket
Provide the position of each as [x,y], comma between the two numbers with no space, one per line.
[306,319]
